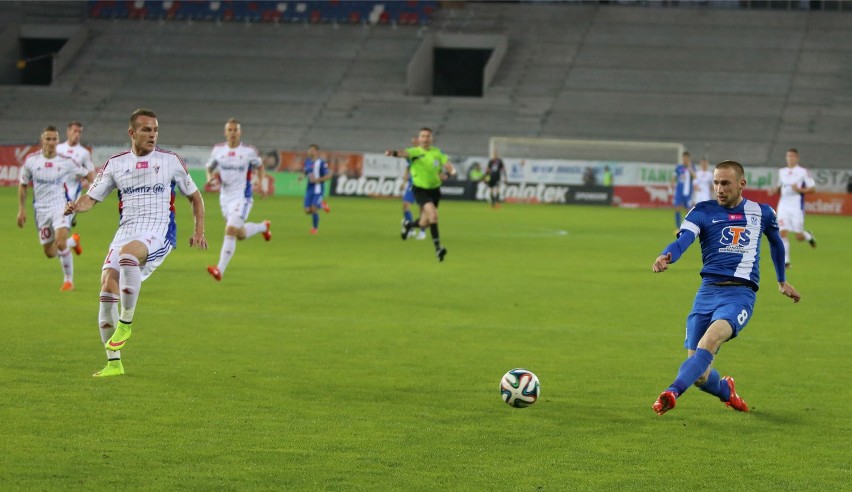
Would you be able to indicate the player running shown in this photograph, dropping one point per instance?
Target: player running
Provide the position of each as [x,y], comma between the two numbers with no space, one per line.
[317,172]
[231,163]
[428,169]
[794,182]
[73,149]
[48,171]
[681,187]
[729,231]
[145,177]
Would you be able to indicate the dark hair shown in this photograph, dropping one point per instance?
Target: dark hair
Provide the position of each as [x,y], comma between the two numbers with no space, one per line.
[736,166]
[793,150]
[75,123]
[140,112]
[49,128]
[426,129]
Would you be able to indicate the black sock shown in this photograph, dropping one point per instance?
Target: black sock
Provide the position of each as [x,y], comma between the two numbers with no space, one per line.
[435,236]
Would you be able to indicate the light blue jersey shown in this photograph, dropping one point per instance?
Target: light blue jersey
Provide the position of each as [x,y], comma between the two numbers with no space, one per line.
[730,239]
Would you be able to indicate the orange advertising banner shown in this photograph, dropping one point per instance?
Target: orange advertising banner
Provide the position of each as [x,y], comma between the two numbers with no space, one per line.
[347,164]
[828,203]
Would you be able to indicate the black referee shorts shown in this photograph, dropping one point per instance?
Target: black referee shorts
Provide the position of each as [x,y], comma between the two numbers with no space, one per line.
[427,195]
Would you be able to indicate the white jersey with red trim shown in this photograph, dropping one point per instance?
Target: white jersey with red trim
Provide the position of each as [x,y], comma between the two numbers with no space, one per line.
[787,178]
[78,153]
[81,154]
[48,176]
[235,166]
[146,193]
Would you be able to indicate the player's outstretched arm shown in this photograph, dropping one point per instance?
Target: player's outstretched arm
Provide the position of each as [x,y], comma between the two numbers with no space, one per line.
[673,251]
[397,153]
[83,204]
[198,238]
[789,291]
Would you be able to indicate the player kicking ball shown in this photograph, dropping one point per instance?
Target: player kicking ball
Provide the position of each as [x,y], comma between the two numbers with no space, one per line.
[729,231]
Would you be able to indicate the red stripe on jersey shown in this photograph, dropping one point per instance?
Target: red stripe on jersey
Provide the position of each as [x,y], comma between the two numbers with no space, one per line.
[111,158]
[174,154]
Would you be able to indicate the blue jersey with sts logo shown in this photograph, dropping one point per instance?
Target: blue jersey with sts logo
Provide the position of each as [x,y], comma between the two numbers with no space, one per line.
[730,239]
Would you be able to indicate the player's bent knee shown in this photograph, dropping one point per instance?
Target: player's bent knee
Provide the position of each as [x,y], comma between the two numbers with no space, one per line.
[700,381]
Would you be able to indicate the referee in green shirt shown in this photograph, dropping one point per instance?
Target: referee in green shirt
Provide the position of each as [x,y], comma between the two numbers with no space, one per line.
[429,167]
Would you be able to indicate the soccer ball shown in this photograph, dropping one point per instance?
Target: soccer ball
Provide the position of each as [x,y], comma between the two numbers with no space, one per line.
[520,388]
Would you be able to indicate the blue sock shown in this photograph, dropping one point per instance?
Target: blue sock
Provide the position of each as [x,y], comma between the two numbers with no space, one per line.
[691,369]
[315,218]
[716,387]
[408,216]
[677,218]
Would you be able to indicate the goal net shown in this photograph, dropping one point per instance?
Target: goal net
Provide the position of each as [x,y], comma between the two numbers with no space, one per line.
[585,150]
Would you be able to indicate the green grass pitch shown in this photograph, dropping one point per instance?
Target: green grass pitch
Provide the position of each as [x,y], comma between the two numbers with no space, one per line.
[352,360]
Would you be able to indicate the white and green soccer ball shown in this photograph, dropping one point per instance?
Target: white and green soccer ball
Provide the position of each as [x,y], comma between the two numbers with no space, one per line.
[520,388]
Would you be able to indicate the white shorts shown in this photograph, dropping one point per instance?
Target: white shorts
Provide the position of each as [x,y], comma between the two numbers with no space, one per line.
[791,219]
[48,221]
[158,249]
[236,212]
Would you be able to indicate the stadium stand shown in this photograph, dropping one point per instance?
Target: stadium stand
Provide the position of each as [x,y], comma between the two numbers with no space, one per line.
[734,83]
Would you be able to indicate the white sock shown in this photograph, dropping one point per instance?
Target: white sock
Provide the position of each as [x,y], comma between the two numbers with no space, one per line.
[786,249]
[808,236]
[70,243]
[107,319]
[229,246]
[67,262]
[129,283]
[253,228]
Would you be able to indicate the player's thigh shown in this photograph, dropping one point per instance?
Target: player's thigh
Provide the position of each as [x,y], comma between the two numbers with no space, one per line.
[143,246]
[311,199]
[791,219]
[46,223]
[237,212]
[736,306]
[696,325]
[408,196]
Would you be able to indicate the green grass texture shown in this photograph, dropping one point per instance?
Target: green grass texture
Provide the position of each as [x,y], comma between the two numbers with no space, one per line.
[352,360]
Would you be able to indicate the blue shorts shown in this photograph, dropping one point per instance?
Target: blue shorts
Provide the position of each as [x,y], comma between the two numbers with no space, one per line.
[313,199]
[734,304]
[684,201]
[408,194]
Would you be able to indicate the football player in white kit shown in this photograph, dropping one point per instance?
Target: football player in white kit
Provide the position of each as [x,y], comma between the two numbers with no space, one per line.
[145,177]
[72,148]
[232,164]
[48,171]
[703,182]
[794,182]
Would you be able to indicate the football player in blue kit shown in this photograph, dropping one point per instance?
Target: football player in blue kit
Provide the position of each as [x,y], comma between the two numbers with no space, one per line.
[729,231]
[681,187]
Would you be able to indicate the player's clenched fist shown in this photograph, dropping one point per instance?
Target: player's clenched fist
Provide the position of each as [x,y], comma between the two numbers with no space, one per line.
[662,263]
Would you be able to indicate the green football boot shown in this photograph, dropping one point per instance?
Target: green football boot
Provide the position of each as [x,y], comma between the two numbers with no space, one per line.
[113,368]
[119,337]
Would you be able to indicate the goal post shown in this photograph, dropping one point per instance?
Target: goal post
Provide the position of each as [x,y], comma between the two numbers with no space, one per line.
[590,150]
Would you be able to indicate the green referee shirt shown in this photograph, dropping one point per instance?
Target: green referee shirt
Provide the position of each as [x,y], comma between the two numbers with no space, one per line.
[426,166]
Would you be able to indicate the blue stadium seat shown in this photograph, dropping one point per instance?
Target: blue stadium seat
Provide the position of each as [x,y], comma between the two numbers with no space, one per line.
[313,11]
